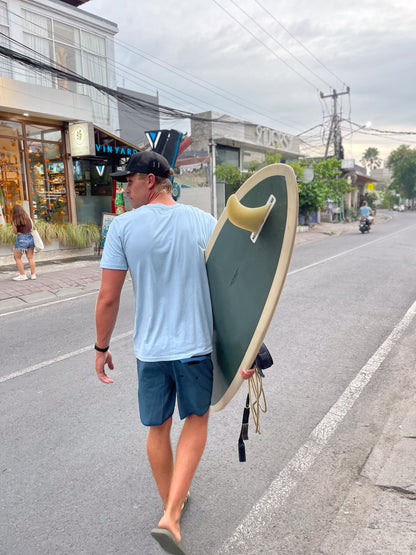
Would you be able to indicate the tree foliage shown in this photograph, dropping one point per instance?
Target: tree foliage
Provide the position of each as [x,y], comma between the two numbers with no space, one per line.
[402,162]
[370,159]
[233,177]
[326,183]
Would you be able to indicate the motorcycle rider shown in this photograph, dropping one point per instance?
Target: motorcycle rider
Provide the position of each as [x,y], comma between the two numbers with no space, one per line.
[367,213]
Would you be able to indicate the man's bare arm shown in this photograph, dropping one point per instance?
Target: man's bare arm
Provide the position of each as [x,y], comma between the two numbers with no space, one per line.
[106,311]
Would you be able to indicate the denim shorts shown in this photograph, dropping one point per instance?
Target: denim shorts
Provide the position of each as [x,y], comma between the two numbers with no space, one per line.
[24,241]
[188,381]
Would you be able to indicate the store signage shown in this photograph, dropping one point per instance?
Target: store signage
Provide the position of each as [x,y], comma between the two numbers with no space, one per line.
[120,150]
[348,164]
[81,138]
[100,170]
[274,139]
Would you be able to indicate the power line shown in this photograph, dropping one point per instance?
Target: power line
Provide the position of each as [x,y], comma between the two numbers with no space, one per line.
[127,99]
[299,42]
[279,43]
[265,45]
[199,82]
[369,129]
[187,76]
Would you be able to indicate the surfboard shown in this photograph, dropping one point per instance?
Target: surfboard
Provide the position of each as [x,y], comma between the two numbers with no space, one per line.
[247,259]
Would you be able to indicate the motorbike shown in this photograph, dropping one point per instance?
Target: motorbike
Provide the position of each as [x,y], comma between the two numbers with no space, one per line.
[364,225]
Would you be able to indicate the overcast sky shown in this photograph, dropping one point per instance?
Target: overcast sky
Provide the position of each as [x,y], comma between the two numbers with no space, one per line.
[267,61]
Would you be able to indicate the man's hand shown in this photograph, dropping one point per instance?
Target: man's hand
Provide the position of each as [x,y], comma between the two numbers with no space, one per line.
[247,374]
[101,359]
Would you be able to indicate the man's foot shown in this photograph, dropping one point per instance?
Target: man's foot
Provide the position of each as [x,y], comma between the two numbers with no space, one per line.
[32,276]
[167,541]
[185,503]
[20,277]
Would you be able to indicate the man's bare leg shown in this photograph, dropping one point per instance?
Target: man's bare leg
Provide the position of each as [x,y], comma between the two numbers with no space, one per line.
[159,452]
[189,451]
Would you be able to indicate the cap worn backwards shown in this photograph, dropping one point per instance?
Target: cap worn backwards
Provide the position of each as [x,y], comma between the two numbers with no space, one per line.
[144,162]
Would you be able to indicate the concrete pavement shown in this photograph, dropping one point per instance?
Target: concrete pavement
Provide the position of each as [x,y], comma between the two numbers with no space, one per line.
[384,494]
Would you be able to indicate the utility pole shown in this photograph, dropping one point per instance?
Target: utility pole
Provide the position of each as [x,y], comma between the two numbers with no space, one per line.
[212,179]
[335,130]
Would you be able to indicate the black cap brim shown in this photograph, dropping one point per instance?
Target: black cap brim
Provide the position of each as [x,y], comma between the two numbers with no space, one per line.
[120,176]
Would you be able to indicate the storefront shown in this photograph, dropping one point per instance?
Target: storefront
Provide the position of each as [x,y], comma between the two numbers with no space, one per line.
[94,187]
[35,171]
[32,169]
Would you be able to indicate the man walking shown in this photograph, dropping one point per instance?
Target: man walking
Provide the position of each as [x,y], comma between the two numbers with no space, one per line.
[162,244]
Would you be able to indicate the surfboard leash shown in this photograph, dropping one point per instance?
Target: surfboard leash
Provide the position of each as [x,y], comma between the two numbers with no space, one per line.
[255,400]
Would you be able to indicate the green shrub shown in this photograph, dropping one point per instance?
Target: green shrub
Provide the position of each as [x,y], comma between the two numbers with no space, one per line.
[70,235]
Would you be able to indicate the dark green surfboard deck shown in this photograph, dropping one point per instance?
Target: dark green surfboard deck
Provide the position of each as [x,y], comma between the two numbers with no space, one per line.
[241,275]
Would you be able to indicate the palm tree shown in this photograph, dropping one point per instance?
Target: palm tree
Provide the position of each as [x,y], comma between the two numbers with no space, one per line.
[370,159]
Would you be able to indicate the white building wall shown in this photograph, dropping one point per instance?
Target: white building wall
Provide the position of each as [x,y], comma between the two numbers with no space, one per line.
[21,98]
[53,31]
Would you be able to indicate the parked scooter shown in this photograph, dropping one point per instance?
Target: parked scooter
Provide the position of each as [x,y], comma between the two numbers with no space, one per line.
[365,225]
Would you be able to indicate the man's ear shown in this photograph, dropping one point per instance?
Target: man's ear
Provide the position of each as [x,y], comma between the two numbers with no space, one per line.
[151,181]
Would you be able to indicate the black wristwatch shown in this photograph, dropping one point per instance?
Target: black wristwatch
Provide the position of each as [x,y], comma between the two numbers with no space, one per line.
[100,350]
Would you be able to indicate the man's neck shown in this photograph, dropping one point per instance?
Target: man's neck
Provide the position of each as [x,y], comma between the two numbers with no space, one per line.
[161,198]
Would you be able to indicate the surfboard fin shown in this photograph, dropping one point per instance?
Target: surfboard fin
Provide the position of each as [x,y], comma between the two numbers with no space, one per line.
[250,219]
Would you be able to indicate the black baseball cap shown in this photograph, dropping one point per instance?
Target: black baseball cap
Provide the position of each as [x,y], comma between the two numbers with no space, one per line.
[144,162]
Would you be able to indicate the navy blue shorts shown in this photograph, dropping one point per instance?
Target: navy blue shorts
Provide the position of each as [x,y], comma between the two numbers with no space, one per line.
[161,383]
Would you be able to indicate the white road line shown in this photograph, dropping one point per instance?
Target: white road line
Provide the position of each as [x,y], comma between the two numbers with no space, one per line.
[348,251]
[24,309]
[59,359]
[261,514]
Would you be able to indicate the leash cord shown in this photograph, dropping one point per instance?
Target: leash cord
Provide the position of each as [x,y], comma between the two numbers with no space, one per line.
[258,403]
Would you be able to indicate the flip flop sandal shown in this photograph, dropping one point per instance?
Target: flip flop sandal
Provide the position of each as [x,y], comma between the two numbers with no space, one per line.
[167,541]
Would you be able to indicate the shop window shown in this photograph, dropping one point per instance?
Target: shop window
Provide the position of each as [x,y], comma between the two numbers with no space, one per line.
[251,157]
[47,180]
[93,43]
[13,187]
[65,33]
[228,155]
[37,35]
[43,132]
[93,189]
[11,128]
[5,64]
[70,59]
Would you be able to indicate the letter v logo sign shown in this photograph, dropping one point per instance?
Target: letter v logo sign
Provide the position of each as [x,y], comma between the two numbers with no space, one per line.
[153,138]
[100,170]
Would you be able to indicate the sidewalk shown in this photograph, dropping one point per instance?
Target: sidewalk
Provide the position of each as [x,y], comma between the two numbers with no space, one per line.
[55,280]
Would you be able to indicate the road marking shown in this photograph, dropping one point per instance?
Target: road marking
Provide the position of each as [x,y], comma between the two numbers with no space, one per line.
[253,526]
[48,304]
[323,261]
[59,359]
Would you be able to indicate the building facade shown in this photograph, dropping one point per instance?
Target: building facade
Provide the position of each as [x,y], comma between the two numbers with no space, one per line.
[221,139]
[39,104]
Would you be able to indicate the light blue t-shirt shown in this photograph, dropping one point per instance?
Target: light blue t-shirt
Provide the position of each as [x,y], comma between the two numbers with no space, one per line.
[163,247]
[365,211]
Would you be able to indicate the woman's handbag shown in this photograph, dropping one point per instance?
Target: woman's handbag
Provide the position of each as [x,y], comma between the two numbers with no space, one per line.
[37,240]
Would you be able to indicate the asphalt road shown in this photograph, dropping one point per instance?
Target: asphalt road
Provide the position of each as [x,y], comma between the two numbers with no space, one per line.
[74,473]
